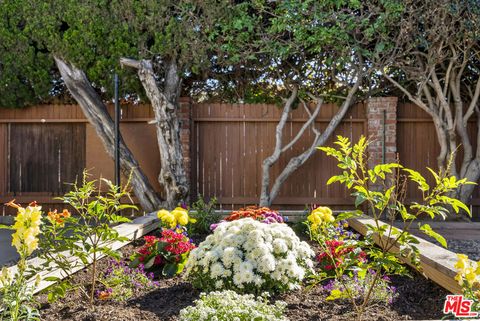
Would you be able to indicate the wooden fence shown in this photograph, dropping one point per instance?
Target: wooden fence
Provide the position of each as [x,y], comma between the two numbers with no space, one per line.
[230,143]
[418,147]
[43,147]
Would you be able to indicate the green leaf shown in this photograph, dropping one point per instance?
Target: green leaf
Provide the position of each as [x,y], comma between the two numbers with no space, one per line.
[135,262]
[334,179]
[169,270]
[336,294]
[347,215]
[425,228]
[149,263]
[359,199]
[161,246]
[435,175]
[6,227]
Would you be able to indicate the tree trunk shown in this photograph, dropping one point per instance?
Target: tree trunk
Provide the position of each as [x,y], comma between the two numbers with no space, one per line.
[96,113]
[165,104]
[267,196]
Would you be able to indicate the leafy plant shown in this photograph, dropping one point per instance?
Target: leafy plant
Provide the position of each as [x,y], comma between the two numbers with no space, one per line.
[468,276]
[383,190]
[204,214]
[340,252]
[168,252]
[121,282]
[228,305]
[87,235]
[357,287]
[17,300]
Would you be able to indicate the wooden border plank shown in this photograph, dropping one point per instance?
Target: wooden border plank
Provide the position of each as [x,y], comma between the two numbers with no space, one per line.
[436,262]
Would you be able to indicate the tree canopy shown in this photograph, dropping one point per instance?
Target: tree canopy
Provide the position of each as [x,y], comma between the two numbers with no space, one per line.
[228,50]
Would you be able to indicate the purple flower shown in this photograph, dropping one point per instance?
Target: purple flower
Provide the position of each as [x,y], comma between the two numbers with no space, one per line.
[329,286]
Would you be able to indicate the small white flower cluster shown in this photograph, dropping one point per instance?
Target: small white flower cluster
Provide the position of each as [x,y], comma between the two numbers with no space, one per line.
[250,257]
[228,305]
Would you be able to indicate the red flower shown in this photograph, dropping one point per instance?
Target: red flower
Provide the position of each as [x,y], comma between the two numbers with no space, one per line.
[336,252]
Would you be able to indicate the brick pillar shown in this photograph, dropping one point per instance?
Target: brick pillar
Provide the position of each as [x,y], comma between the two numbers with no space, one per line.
[378,110]
[185,118]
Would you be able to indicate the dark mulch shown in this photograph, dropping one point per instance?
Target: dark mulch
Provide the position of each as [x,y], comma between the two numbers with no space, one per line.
[419,299]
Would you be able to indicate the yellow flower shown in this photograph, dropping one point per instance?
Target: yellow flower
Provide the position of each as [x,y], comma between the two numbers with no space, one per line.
[167,218]
[27,228]
[459,278]
[326,214]
[462,262]
[162,213]
[470,276]
[5,277]
[321,215]
[181,215]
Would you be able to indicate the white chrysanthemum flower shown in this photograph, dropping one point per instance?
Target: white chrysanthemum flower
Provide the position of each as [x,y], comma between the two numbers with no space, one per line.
[216,270]
[267,256]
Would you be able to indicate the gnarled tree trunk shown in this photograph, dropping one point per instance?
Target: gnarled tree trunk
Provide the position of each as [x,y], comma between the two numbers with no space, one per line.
[96,113]
[165,104]
[269,194]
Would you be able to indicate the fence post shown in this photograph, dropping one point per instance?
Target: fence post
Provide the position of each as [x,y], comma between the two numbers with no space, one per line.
[382,130]
[185,119]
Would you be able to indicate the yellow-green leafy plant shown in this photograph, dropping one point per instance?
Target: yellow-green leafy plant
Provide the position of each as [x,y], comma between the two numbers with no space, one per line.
[87,234]
[468,277]
[383,190]
[17,301]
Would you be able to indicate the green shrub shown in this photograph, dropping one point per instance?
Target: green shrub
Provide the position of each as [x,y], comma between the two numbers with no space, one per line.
[204,214]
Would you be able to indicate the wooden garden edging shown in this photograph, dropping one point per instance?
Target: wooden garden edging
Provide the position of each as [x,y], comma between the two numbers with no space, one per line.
[132,230]
[436,262]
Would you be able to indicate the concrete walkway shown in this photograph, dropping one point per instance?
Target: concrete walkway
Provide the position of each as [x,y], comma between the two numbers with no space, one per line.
[8,254]
[450,230]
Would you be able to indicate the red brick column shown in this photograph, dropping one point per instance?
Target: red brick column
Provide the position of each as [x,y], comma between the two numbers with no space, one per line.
[185,118]
[382,111]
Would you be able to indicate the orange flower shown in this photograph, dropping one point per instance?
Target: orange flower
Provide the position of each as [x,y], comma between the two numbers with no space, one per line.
[66,213]
[104,295]
[58,218]
[12,204]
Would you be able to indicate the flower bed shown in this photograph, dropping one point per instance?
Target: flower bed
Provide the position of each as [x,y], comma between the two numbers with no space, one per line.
[418,299]
[253,263]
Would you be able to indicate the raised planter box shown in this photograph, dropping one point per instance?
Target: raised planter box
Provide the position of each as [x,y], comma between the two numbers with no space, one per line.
[437,263]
